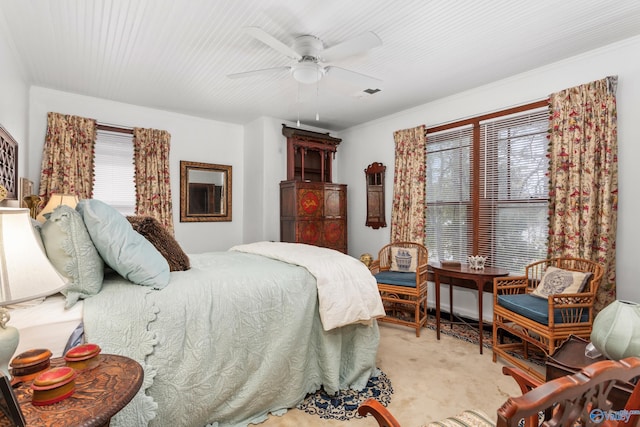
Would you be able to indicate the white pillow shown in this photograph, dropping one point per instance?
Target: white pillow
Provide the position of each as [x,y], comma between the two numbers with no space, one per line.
[404,264]
[558,281]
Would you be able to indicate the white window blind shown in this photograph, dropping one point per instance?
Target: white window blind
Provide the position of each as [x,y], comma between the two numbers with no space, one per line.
[492,202]
[514,189]
[448,194]
[114,181]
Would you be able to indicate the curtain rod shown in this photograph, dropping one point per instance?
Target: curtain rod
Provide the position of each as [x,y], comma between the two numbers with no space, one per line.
[487,116]
[114,128]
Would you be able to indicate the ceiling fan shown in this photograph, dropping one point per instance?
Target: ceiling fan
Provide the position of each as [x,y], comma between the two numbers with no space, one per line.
[310,55]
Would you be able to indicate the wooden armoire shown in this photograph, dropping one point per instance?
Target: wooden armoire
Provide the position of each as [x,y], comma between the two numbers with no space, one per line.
[313,209]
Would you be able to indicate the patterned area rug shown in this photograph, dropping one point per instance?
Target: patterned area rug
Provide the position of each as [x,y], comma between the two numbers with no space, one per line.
[468,331]
[344,404]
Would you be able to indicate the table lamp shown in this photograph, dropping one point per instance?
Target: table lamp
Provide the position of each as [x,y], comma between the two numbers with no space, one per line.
[25,274]
[616,330]
[56,200]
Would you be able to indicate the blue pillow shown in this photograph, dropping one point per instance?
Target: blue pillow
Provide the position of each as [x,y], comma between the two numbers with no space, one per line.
[71,251]
[124,250]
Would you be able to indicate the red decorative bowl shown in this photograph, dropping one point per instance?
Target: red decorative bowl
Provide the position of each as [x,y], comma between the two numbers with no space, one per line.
[85,356]
[53,385]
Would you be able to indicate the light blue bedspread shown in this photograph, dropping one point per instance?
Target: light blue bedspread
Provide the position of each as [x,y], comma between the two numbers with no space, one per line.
[227,342]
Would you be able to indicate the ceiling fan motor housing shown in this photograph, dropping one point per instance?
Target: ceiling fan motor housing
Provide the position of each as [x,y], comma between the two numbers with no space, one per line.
[308,46]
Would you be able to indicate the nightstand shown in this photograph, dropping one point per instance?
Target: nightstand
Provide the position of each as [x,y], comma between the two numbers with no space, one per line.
[569,359]
[100,393]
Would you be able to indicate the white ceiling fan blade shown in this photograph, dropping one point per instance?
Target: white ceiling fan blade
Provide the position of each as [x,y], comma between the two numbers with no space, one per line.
[358,79]
[266,38]
[354,46]
[258,72]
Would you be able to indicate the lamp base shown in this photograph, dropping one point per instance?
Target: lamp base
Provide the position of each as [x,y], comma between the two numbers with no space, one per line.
[9,338]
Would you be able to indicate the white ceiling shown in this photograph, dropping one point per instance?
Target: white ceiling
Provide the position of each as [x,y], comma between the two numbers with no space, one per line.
[175,54]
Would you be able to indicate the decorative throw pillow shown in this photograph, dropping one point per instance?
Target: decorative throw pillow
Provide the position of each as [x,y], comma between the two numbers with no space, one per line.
[71,251]
[404,259]
[124,250]
[151,229]
[558,281]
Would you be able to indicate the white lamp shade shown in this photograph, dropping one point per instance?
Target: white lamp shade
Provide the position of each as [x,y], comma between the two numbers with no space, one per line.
[25,270]
[616,330]
[56,200]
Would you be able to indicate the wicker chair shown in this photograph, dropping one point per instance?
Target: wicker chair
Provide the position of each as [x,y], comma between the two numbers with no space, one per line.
[579,399]
[402,291]
[543,323]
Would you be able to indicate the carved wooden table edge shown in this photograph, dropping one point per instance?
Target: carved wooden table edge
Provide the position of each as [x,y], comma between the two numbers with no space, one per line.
[100,393]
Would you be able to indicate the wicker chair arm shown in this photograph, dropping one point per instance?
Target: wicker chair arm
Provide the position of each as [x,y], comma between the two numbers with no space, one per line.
[570,307]
[510,285]
[374,267]
[562,301]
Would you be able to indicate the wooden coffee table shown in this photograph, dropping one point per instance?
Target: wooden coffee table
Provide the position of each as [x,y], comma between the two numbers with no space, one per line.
[100,393]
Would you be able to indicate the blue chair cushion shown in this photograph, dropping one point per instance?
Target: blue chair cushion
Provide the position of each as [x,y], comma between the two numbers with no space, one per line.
[396,278]
[532,307]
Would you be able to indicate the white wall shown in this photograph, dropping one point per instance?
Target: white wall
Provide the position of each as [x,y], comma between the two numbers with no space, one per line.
[192,139]
[13,101]
[373,141]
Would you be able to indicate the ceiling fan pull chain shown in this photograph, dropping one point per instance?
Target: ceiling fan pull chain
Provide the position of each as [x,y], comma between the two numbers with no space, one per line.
[317,100]
[298,104]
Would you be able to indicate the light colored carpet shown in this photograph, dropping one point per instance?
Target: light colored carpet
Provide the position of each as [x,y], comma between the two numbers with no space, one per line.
[431,380]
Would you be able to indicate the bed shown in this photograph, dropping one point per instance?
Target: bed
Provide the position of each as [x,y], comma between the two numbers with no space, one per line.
[239,335]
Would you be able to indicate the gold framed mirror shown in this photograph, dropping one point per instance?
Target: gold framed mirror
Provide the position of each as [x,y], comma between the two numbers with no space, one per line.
[205,192]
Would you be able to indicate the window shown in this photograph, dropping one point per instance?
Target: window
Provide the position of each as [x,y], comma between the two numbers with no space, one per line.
[487,188]
[449,210]
[114,181]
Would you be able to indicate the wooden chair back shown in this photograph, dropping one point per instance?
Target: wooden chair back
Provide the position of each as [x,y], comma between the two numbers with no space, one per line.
[579,399]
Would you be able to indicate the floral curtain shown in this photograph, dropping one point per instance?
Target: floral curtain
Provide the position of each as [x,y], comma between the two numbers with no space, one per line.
[408,208]
[67,157]
[583,178]
[153,185]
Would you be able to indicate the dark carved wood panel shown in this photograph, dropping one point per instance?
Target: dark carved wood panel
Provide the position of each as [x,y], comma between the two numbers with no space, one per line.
[309,232]
[374,175]
[310,202]
[8,164]
[317,216]
[100,393]
[335,204]
[309,154]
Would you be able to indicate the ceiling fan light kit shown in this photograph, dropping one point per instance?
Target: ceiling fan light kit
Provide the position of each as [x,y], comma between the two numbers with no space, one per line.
[307,72]
[309,53]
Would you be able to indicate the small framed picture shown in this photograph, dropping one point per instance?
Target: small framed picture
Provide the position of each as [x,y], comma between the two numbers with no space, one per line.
[10,413]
